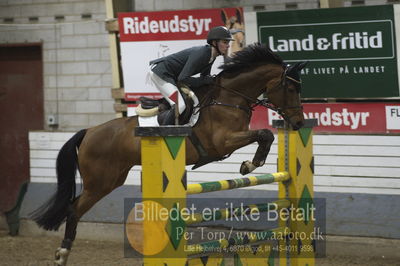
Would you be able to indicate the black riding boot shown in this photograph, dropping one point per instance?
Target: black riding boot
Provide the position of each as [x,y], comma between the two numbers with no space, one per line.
[167,117]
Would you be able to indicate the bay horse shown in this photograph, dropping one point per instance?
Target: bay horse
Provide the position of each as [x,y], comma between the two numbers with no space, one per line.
[104,154]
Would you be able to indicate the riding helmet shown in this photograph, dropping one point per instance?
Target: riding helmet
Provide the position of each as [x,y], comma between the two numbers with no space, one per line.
[219,33]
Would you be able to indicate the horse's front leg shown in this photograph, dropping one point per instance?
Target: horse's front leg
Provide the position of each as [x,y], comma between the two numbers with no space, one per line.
[264,137]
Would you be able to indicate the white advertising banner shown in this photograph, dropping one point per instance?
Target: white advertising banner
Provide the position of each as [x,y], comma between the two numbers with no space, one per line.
[393,117]
[145,36]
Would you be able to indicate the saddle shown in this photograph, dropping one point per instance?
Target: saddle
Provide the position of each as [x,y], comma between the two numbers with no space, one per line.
[149,103]
[164,111]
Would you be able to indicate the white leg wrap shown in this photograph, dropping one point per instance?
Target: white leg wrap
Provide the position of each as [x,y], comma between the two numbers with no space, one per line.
[61,256]
[250,166]
[247,167]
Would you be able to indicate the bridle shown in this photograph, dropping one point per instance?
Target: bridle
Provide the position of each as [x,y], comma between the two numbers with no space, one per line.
[254,102]
[282,84]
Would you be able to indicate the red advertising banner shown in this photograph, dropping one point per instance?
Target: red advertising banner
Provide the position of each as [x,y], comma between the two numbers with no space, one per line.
[342,117]
[169,25]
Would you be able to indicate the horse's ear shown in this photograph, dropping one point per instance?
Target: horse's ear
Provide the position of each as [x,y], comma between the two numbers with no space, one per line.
[294,70]
[239,16]
[302,65]
[224,16]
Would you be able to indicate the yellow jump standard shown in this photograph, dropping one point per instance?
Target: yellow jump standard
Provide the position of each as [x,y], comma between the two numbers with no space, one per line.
[164,181]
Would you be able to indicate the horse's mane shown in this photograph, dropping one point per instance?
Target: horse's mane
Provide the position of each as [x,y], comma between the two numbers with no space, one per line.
[253,55]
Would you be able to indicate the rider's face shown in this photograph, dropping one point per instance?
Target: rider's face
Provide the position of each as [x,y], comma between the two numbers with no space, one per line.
[223,46]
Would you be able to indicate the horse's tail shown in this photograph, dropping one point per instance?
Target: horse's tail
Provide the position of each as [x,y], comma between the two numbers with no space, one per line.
[55,211]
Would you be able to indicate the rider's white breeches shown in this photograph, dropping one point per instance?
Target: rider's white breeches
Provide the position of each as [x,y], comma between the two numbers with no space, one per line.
[167,89]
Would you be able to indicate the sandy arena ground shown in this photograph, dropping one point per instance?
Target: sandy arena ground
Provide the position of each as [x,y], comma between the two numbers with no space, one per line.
[39,250]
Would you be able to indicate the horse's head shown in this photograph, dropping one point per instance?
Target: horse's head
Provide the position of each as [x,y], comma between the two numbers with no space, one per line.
[238,40]
[236,27]
[284,93]
[255,70]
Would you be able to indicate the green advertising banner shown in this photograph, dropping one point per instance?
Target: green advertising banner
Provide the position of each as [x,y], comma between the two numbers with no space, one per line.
[351,51]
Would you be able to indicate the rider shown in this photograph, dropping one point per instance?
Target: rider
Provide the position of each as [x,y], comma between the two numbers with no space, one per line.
[169,72]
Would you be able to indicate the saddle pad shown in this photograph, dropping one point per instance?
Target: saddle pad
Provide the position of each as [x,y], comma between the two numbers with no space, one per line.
[149,121]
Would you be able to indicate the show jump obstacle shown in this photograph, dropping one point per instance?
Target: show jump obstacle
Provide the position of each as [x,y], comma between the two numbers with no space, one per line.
[164,187]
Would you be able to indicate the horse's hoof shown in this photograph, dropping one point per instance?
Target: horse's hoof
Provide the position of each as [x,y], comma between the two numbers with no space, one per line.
[246,167]
[61,257]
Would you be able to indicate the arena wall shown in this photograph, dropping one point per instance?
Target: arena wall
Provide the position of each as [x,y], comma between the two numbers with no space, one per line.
[358,177]
[76,61]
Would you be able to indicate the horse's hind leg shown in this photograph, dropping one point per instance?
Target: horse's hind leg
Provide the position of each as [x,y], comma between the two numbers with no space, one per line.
[81,205]
[62,252]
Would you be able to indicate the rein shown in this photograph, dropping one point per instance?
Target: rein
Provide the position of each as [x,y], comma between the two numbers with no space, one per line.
[256,102]
[247,109]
